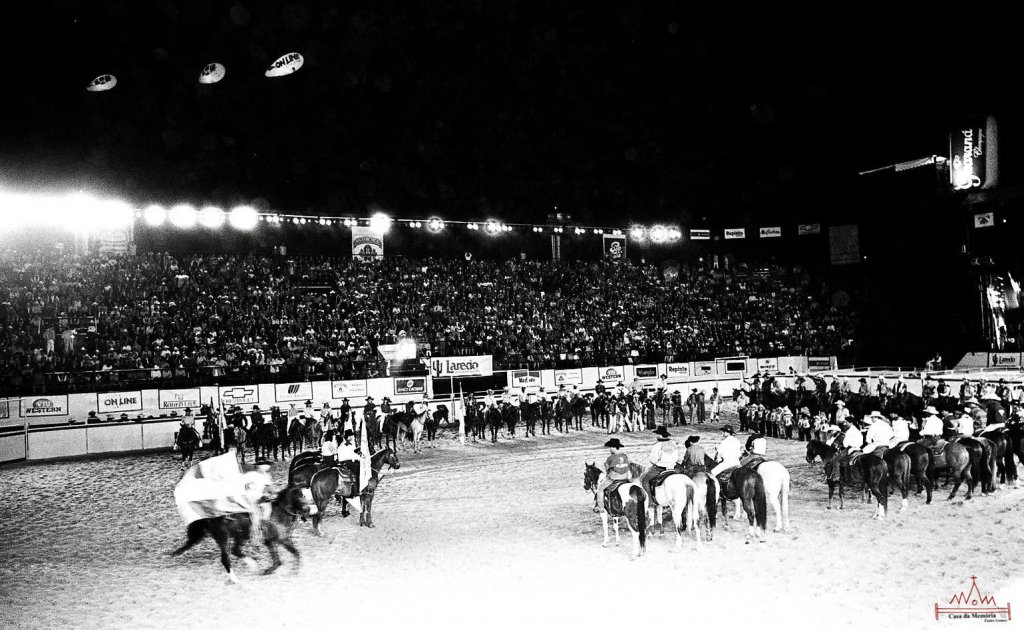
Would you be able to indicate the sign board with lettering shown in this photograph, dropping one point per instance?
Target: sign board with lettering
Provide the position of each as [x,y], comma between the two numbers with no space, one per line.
[569,377]
[481,365]
[700,235]
[819,364]
[239,395]
[703,368]
[293,392]
[678,370]
[348,389]
[735,233]
[768,365]
[36,406]
[646,372]
[118,402]
[1004,359]
[771,232]
[525,378]
[417,385]
[611,374]
[179,398]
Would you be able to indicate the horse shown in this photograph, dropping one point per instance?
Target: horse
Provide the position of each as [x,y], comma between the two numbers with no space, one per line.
[577,408]
[899,466]
[705,503]
[747,486]
[289,504]
[393,424]
[240,438]
[776,489]
[1014,446]
[265,441]
[299,434]
[343,481]
[510,414]
[433,422]
[1000,451]
[187,441]
[629,501]
[494,422]
[872,474]
[955,459]
[920,465]
[677,491]
[300,461]
[983,465]
[563,415]
[374,435]
[529,412]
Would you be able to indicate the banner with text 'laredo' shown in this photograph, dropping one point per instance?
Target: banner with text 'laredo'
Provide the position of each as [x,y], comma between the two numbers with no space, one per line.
[367,244]
[481,365]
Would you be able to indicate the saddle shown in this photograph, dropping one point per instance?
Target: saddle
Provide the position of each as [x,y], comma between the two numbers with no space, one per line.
[725,481]
[612,498]
[660,478]
[347,478]
[753,462]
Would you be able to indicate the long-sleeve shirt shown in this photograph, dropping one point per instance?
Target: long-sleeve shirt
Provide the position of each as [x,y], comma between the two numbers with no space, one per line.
[664,454]
[729,451]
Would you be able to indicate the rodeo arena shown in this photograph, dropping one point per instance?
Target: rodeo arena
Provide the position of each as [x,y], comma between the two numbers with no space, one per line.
[246,383]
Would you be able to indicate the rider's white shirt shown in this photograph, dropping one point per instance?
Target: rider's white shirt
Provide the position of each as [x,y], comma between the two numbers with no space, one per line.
[932,426]
[729,450]
[853,438]
[900,430]
[879,433]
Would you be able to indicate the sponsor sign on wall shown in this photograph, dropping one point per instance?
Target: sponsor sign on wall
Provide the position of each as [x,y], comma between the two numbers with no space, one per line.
[614,246]
[970,154]
[819,364]
[703,368]
[676,370]
[416,385]
[179,398]
[646,372]
[1004,359]
[348,389]
[735,233]
[38,406]
[769,365]
[771,232]
[569,377]
[700,235]
[5,410]
[291,392]
[118,402]
[367,244]
[735,366]
[611,374]
[239,395]
[809,228]
[525,378]
[481,365]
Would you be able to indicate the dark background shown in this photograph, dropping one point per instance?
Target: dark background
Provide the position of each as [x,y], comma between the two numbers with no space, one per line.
[698,114]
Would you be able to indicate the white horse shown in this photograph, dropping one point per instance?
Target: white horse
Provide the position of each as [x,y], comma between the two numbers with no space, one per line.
[634,509]
[677,492]
[776,490]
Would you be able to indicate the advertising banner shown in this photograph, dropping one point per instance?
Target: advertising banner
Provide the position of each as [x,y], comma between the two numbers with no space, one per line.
[735,233]
[293,392]
[5,410]
[348,389]
[416,385]
[569,377]
[985,219]
[178,398]
[481,365]
[771,232]
[118,402]
[646,372]
[810,228]
[611,374]
[768,365]
[703,368]
[37,406]
[970,152]
[700,235]
[367,244]
[677,370]
[819,364]
[525,378]
[1004,359]
[614,246]
[239,395]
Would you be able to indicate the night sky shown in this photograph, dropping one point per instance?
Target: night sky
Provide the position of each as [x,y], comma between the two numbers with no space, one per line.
[611,111]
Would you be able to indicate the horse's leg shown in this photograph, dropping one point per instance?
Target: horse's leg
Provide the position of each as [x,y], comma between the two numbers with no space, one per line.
[773,499]
[677,520]
[748,507]
[737,504]
[365,516]
[604,526]
[194,533]
[275,558]
[725,510]
[221,536]
[831,489]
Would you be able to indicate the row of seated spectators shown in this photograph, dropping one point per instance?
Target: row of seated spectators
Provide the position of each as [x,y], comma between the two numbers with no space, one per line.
[74,321]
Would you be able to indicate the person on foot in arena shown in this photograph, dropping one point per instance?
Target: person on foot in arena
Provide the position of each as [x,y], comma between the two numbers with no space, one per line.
[691,402]
[899,387]
[966,390]
[742,400]
[663,456]
[928,389]
[616,468]
[676,400]
[728,452]
[716,404]
[692,459]
[879,433]
[883,391]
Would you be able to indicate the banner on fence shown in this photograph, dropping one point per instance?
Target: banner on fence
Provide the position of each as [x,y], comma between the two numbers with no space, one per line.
[703,368]
[677,370]
[735,233]
[239,395]
[118,402]
[569,377]
[611,374]
[178,398]
[768,365]
[348,389]
[416,385]
[700,235]
[771,232]
[37,406]
[481,365]
[646,372]
[525,378]
[819,364]
[293,392]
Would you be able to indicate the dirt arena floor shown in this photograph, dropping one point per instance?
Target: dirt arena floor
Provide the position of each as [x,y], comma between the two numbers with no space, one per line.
[490,536]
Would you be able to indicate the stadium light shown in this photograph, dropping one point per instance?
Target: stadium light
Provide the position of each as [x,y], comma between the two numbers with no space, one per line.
[211,217]
[380,222]
[182,216]
[673,234]
[435,224]
[244,218]
[154,216]
[492,227]
[637,233]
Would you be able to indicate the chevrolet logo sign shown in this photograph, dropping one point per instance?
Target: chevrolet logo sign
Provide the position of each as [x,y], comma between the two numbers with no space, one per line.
[238,393]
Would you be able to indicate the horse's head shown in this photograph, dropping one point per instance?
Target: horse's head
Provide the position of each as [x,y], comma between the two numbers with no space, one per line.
[813,448]
[590,476]
[387,456]
[296,501]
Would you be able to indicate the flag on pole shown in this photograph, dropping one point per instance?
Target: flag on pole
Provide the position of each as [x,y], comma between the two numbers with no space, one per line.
[365,463]
[462,416]
[213,487]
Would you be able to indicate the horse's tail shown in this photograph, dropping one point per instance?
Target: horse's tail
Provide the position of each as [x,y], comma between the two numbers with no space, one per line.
[711,501]
[760,503]
[636,493]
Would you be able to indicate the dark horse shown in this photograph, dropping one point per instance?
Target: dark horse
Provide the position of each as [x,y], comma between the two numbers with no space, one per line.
[187,441]
[530,418]
[433,422]
[343,481]
[494,422]
[300,435]
[276,530]
[955,459]
[868,470]
[265,441]
[510,414]
[921,465]
[899,466]
[745,485]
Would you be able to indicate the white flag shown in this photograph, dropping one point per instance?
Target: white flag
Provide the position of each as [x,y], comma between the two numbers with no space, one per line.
[365,463]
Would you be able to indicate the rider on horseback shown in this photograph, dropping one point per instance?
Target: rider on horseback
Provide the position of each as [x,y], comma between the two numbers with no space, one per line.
[329,450]
[663,457]
[616,468]
[188,423]
[691,460]
[727,453]
[879,433]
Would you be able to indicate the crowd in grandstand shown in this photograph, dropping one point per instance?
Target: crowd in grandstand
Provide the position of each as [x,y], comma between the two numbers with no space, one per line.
[65,315]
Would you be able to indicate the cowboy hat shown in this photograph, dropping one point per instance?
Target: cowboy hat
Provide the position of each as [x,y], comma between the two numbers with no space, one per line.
[930,410]
[262,462]
[693,439]
[662,433]
[613,443]
[728,429]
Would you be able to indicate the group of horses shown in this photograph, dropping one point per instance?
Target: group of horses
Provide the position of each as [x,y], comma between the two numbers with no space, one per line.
[504,417]
[693,500]
[265,440]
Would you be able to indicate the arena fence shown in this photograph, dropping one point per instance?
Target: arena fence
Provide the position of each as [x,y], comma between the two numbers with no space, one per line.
[67,425]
